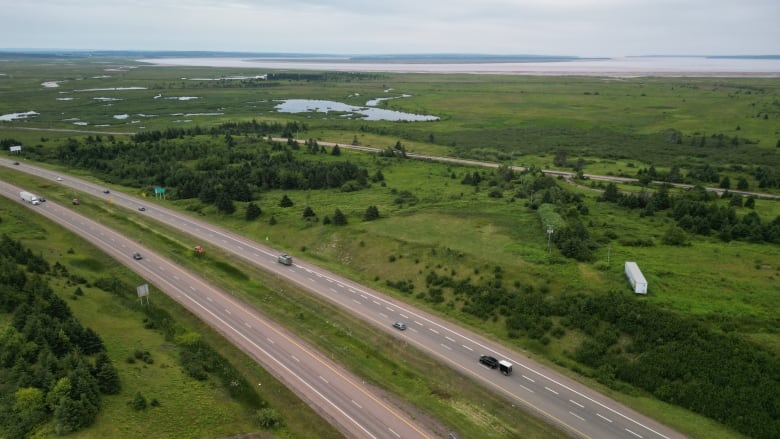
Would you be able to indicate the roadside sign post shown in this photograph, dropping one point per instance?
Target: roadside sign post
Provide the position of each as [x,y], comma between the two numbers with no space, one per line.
[143,291]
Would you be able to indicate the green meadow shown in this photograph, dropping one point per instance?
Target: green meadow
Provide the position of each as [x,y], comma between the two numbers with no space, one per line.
[455,230]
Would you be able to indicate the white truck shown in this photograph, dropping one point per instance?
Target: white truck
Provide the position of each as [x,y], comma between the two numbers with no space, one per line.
[29,198]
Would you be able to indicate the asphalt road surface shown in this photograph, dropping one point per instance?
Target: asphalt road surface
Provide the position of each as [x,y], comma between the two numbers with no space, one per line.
[573,407]
[336,394]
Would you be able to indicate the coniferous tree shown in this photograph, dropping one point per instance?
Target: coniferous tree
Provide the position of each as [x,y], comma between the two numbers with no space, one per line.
[371,213]
[252,211]
[610,194]
[339,219]
[224,203]
[286,201]
[106,375]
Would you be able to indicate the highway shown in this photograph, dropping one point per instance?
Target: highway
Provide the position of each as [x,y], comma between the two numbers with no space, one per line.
[336,394]
[562,401]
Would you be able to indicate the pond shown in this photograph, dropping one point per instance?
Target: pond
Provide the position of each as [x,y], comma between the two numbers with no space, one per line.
[17,116]
[346,110]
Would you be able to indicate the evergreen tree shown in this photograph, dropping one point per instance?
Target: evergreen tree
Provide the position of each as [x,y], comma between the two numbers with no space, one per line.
[207,193]
[90,342]
[308,213]
[224,203]
[336,150]
[67,415]
[610,194]
[106,375]
[252,211]
[371,213]
[339,219]
[286,201]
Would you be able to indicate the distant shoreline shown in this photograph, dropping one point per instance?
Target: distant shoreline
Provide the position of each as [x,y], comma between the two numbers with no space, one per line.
[625,67]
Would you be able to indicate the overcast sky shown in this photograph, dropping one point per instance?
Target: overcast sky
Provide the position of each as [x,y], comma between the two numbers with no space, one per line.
[542,27]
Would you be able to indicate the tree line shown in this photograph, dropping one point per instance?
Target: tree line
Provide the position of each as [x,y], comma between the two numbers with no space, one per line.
[213,171]
[51,367]
[698,212]
[233,128]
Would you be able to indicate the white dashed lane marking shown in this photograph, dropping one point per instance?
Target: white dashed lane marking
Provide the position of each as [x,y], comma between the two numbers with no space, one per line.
[635,434]
[604,417]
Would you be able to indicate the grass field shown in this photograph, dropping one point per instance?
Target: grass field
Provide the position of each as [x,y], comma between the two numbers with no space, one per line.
[616,126]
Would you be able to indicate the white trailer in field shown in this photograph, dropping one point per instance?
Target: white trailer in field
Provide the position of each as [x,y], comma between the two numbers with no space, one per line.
[636,278]
[29,198]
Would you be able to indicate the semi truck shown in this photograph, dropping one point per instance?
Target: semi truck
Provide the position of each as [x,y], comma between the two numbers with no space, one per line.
[29,198]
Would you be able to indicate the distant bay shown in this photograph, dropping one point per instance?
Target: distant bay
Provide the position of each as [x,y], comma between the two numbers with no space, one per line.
[670,66]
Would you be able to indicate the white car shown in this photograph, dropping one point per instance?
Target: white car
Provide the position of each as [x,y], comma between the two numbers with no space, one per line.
[59,178]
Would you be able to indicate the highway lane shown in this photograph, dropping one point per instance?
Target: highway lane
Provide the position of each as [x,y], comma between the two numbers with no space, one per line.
[562,401]
[338,395]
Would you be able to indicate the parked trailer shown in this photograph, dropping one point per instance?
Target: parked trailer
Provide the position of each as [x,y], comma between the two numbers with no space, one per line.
[27,197]
[636,278]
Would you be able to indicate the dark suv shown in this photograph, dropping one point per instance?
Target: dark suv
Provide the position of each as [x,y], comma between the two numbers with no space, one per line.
[488,361]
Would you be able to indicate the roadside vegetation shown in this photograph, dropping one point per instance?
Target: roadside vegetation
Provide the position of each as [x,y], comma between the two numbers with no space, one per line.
[472,244]
[79,353]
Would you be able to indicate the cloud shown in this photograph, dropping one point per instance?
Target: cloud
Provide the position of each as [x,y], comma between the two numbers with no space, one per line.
[573,27]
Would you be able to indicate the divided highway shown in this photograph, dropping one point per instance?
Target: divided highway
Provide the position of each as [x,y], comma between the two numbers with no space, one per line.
[336,394]
[564,402]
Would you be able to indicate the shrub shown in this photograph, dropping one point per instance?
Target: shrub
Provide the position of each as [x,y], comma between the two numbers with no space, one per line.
[268,418]
[139,402]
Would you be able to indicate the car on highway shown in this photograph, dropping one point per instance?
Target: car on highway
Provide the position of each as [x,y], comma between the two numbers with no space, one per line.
[141,208]
[488,361]
[59,178]
[106,191]
[137,256]
[400,326]
[284,259]
[41,199]
[16,163]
